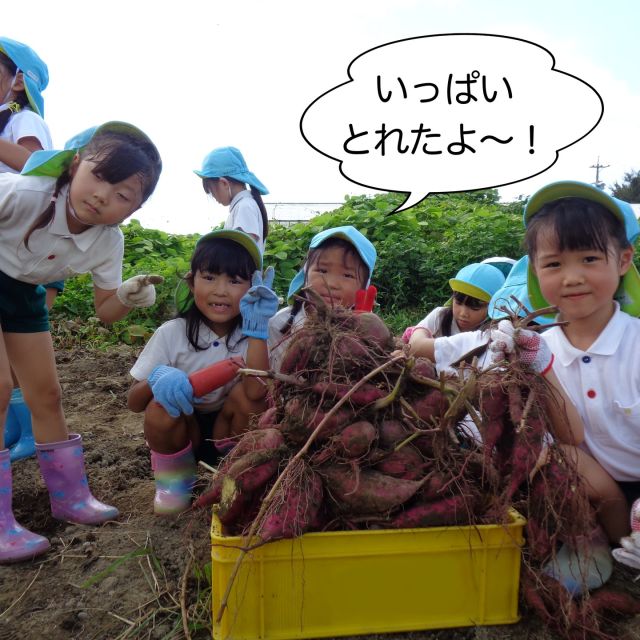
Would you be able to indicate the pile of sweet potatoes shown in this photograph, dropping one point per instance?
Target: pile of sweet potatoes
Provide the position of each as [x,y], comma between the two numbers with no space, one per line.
[357,437]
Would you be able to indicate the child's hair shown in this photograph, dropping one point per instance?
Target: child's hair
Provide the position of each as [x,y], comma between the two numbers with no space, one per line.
[21,99]
[576,224]
[118,156]
[313,256]
[208,182]
[446,318]
[218,255]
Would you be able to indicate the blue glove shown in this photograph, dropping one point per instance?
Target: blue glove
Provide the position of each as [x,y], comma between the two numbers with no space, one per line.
[172,389]
[258,305]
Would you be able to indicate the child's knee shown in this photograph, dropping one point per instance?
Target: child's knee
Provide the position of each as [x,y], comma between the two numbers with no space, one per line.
[157,420]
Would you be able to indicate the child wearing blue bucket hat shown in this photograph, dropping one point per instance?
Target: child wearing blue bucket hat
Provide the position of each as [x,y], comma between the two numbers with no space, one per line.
[62,220]
[339,264]
[580,241]
[466,310]
[225,176]
[23,77]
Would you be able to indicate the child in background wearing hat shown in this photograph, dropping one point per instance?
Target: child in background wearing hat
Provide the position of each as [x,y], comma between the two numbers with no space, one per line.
[472,289]
[23,76]
[339,262]
[579,242]
[225,176]
[59,221]
[224,313]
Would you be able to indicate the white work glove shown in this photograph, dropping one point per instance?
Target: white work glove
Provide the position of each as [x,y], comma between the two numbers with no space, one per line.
[138,291]
[528,346]
[629,553]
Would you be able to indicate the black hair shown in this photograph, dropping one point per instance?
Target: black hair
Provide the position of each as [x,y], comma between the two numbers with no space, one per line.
[21,99]
[446,317]
[118,156]
[218,255]
[206,185]
[313,256]
[577,224]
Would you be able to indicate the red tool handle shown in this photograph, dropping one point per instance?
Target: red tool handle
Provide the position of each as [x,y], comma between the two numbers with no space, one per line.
[214,376]
[365,299]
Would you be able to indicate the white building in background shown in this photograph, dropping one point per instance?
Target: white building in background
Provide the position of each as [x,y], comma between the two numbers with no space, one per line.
[290,213]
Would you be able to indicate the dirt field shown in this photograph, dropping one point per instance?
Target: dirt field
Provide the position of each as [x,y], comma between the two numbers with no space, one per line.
[141,576]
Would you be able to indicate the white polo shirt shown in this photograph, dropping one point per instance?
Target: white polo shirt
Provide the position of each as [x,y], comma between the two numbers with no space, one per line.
[244,214]
[54,252]
[25,124]
[604,384]
[169,346]
[278,341]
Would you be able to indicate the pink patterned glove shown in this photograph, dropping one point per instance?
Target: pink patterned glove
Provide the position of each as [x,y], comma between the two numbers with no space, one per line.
[528,346]
[629,552]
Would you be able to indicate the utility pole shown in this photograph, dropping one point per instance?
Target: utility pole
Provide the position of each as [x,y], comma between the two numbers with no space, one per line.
[597,166]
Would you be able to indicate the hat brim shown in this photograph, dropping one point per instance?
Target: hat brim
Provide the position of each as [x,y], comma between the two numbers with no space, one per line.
[34,96]
[460,286]
[246,177]
[55,162]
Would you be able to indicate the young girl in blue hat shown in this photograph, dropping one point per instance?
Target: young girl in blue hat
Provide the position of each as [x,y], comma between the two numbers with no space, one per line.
[472,289]
[23,76]
[60,221]
[339,263]
[225,176]
[223,313]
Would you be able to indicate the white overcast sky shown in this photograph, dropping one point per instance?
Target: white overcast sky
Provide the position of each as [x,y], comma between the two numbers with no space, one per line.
[200,74]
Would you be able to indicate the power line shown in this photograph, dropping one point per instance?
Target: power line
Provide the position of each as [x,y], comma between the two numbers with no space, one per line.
[597,166]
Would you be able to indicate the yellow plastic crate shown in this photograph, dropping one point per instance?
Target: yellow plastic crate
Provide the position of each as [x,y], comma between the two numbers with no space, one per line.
[359,582]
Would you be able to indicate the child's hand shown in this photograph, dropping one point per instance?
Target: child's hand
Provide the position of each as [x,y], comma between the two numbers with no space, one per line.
[258,305]
[171,388]
[138,291]
[528,346]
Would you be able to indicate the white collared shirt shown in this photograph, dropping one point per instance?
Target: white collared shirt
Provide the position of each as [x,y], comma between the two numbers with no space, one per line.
[604,384]
[54,253]
[244,214]
[24,124]
[433,322]
[169,346]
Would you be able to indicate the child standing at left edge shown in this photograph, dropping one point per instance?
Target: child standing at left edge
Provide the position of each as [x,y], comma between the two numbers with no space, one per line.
[59,221]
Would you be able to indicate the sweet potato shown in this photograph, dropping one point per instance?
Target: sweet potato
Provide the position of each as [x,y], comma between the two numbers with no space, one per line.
[493,405]
[433,487]
[423,369]
[391,432]
[268,418]
[356,439]
[613,601]
[367,491]
[297,511]
[525,451]
[297,353]
[447,511]
[406,463]
[256,440]
[366,394]
[253,470]
[373,329]
[302,419]
[430,406]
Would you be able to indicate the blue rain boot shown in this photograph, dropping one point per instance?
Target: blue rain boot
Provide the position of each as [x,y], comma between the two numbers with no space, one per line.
[25,447]
[12,424]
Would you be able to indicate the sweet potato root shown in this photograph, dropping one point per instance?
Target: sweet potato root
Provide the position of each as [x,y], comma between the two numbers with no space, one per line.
[406,463]
[443,512]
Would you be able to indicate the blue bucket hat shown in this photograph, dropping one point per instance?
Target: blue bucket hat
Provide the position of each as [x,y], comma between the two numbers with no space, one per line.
[628,293]
[515,285]
[227,162]
[477,280]
[53,163]
[500,262]
[365,250]
[34,71]
[184,296]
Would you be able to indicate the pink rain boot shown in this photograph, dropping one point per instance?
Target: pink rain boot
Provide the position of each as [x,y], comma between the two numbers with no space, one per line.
[175,475]
[16,542]
[62,466]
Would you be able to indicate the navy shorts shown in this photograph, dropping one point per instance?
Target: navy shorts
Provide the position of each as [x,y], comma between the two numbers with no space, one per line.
[23,307]
[206,450]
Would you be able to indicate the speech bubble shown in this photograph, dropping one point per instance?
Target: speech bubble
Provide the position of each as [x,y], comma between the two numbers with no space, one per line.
[450,112]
